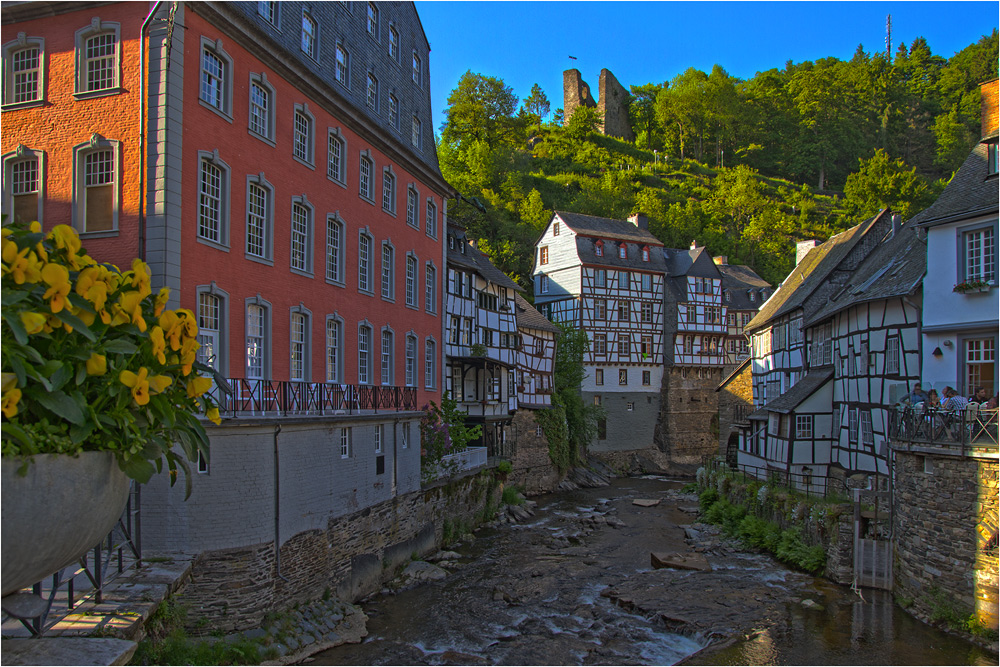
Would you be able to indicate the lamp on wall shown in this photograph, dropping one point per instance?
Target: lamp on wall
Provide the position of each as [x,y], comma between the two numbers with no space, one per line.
[948,344]
[937,352]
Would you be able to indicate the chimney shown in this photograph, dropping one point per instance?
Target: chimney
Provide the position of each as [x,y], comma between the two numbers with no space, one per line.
[897,220]
[802,249]
[639,220]
[721,260]
[472,242]
[694,243]
[988,92]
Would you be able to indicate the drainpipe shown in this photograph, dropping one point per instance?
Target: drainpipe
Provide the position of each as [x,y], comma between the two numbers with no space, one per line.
[277,505]
[142,130]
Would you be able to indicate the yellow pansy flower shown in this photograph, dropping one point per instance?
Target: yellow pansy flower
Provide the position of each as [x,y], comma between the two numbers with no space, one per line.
[22,265]
[161,301]
[159,344]
[189,353]
[198,385]
[213,415]
[57,277]
[35,227]
[33,322]
[131,303]
[97,364]
[140,277]
[10,400]
[158,383]
[138,383]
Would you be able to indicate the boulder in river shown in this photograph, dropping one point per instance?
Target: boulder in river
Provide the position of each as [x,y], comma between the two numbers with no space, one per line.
[689,561]
[646,502]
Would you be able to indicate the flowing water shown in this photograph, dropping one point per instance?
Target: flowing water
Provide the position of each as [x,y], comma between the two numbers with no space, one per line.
[573,585]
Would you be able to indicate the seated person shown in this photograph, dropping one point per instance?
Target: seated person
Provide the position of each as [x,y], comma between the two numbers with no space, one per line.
[933,400]
[993,402]
[918,395]
[953,402]
[979,395]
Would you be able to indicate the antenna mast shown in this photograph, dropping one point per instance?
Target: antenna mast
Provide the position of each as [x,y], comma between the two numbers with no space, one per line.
[888,36]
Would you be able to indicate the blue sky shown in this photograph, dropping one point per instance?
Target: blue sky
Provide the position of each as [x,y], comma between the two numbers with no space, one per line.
[643,42]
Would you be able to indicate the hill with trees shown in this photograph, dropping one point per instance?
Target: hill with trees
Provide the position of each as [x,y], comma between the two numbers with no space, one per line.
[745,167]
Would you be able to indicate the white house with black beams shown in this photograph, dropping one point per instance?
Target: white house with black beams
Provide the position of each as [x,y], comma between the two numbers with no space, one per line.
[606,276]
[481,341]
[536,355]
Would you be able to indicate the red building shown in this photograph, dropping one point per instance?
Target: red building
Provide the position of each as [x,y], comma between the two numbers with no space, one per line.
[271,162]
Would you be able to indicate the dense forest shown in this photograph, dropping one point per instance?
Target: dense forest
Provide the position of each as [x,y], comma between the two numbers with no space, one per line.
[745,167]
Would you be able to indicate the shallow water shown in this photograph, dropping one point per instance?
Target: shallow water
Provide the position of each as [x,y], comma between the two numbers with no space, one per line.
[530,594]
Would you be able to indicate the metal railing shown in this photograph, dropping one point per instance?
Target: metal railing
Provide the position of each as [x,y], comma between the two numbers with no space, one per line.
[119,551]
[819,486]
[972,429]
[293,398]
[469,458]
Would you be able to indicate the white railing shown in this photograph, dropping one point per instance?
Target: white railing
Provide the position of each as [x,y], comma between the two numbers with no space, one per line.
[467,459]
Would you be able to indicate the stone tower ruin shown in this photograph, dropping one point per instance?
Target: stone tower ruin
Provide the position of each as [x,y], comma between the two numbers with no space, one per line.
[612,102]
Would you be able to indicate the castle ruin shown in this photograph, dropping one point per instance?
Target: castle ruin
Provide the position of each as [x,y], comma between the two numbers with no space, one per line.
[611,104]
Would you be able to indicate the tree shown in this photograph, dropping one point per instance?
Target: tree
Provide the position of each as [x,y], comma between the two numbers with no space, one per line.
[737,198]
[568,374]
[642,114]
[537,104]
[882,182]
[481,108]
[583,123]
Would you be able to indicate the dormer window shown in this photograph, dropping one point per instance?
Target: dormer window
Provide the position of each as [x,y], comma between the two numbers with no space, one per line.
[645,253]
[622,251]
[599,248]
[991,158]
[451,242]
[555,228]
[753,296]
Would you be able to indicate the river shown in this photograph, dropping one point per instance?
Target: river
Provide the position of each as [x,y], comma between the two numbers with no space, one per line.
[573,585]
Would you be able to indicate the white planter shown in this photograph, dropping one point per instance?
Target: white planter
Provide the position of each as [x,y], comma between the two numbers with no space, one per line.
[54,514]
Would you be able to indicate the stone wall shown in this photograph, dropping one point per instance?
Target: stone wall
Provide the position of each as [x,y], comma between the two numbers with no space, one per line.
[941,502]
[576,93]
[688,415]
[533,469]
[234,588]
[612,102]
[737,393]
[613,106]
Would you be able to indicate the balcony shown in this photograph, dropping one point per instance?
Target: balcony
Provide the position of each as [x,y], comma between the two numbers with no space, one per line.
[972,431]
[285,398]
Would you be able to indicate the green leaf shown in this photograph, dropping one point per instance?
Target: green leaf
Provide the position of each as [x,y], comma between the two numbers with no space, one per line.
[14,296]
[61,376]
[79,433]
[138,469]
[14,322]
[18,368]
[120,346]
[77,324]
[80,302]
[13,431]
[61,405]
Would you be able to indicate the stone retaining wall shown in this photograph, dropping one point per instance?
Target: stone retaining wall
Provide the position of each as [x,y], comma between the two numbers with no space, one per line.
[533,469]
[941,502]
[232,589]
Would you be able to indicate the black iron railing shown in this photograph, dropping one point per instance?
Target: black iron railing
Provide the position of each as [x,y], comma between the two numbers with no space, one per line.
[119,551]
[810,485]
[250,398]
[972,429]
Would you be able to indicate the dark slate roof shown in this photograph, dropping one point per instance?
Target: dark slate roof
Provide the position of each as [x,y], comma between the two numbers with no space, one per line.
[607,228]
[970,193]
[797,393]
[585,248]
[685,261]
[474,259]
[529,318]
[810,274]
[895,268]
[738,280]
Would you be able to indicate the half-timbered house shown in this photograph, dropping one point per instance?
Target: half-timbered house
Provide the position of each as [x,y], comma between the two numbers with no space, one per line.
[481,340]
[791,428]
[874,328]
[607,277]
[536,354]
[743,293]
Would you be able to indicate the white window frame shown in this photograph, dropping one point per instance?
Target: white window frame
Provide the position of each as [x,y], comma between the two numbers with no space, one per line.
[366,246]
[207,200]
[979,253]
[258,338]
[411,280]
[418,70]
[36,74]
[389,191]
[430,288]
[387,344]
[394,51]
[410,375]
[416,133]
[336,156]
[270,12]
[372,21]
[299,318]
[803,427]
[364,353]
[430,363]
[81,152]
[304,136]
[96,29]
[212,337]
[345,442]
[371,92]
[412,201]
[264,113]
[335,231]
[388,272]
[393,112]
[334,336]
[366,177]
[23,155]
[342,65]
[223,105]
[262,216]
[309,42]
[301,236]
[431,219]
